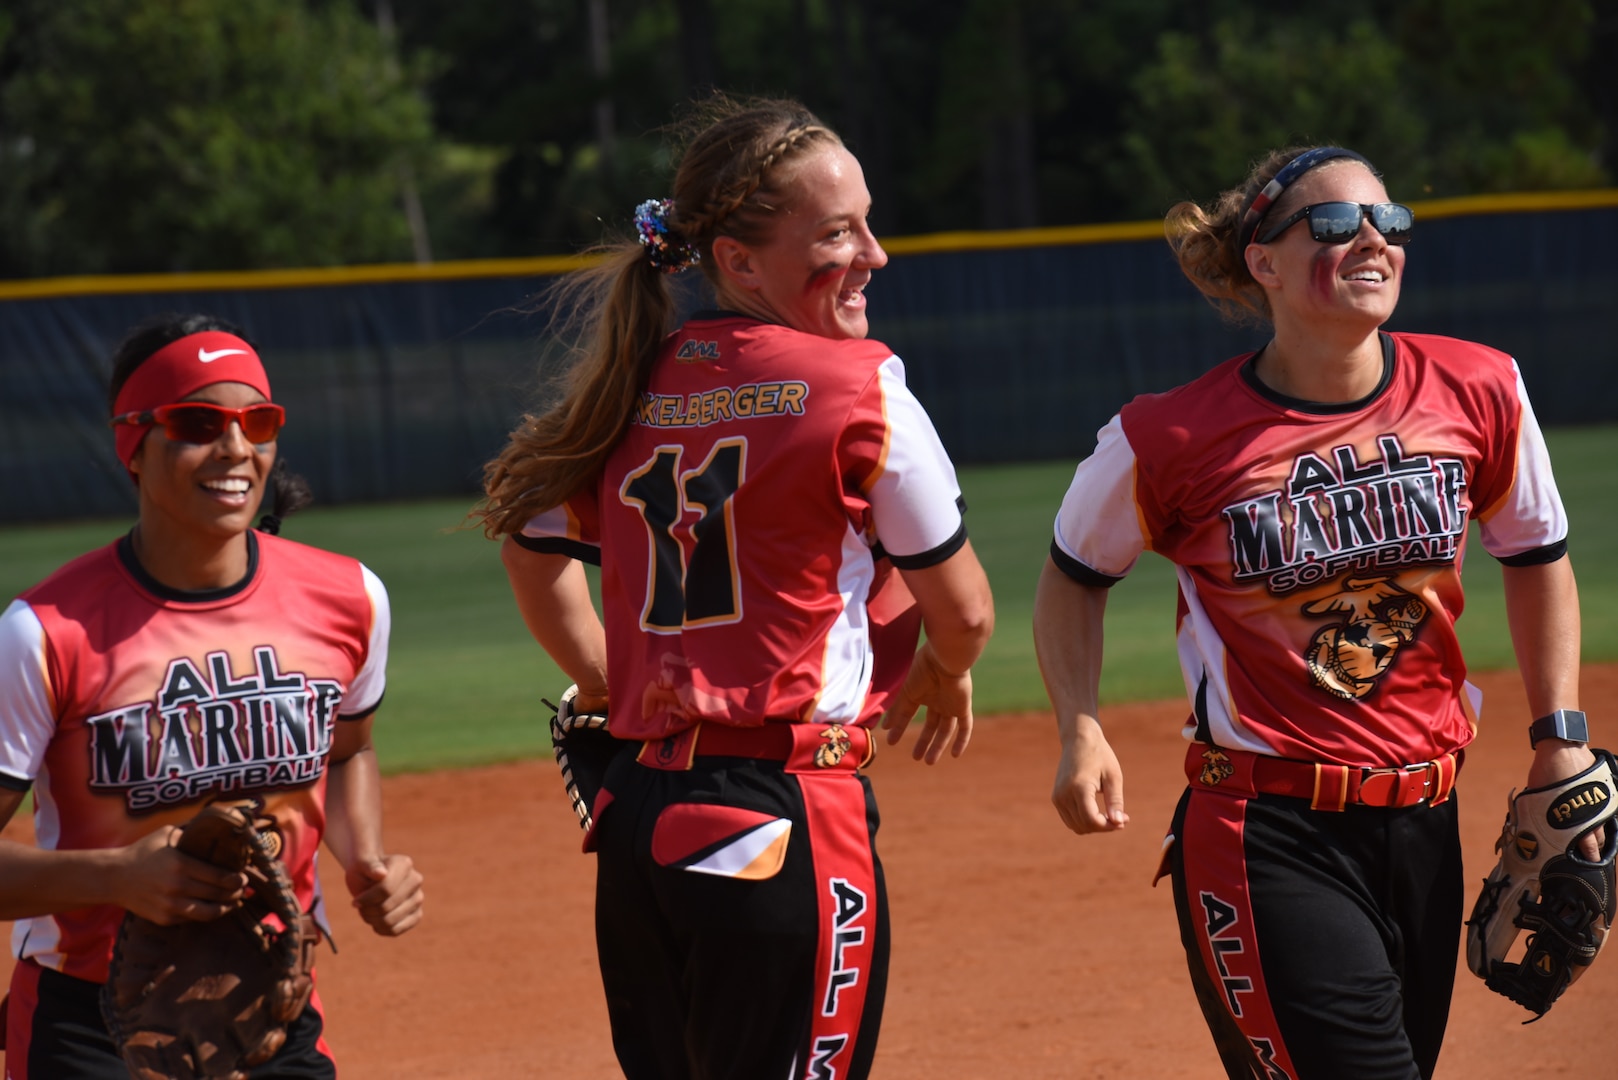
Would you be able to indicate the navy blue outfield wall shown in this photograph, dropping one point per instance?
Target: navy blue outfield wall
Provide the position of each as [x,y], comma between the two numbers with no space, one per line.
[400,382]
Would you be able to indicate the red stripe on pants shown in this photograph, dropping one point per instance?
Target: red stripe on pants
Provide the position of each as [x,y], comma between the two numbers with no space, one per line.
[1216,885]
[845,879]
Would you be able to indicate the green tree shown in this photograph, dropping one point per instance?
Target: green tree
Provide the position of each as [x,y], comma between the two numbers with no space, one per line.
[1206,106]
[519,168]
[1448,97]
[1498,83]
[155,134]
[151,135]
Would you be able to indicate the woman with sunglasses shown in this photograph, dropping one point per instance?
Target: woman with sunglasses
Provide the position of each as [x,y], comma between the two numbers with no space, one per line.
[1314,497]
[738,480]
[192,659]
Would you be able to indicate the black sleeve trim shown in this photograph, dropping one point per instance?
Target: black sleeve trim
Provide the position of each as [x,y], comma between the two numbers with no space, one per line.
[1076,570]
[1537,556]
[363,714]
[560,545]
[878,552]
[933,557]
[15,783]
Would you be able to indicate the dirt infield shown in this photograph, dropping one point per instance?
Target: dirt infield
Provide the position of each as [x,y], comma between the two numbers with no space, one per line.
[1020,951]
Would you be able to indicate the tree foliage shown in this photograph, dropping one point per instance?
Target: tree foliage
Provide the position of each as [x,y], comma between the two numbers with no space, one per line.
[156,134]
[1448,97]
[1206,105]
[148,135]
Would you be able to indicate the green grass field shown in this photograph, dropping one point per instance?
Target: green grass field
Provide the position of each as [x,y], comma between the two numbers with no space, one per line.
[464,678]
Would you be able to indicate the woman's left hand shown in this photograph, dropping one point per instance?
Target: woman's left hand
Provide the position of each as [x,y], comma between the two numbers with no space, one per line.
[387,893]
[1556,760]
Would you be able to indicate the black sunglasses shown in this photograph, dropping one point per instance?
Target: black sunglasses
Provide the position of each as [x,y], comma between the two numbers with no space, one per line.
[1339,222]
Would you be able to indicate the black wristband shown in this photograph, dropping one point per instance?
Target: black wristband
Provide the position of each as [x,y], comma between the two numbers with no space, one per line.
[1568,724]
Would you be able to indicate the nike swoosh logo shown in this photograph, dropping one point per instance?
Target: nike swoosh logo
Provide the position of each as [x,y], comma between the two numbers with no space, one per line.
[209,357]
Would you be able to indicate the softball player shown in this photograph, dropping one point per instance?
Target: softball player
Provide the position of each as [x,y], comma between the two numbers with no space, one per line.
[193,658]
[1314,497]
[748,485]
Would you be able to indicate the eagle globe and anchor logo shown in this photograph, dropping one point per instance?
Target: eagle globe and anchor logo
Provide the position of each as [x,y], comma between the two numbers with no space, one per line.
[837,745]
[1216,767]
[1376,618]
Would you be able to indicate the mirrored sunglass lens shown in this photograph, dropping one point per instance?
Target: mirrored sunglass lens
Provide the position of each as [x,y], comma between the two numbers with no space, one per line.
[1392,220]
[1335,221]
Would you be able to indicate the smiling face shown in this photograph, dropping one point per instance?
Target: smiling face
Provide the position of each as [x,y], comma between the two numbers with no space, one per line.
[204,492]
[1354,285]
[812,271]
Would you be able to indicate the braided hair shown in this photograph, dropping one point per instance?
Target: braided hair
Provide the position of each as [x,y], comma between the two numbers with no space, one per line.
[731,174]
[732,180]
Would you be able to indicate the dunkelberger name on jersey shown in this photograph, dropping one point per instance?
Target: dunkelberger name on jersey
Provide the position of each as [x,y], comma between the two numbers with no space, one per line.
[1340,515]
[721,404]
[211,733]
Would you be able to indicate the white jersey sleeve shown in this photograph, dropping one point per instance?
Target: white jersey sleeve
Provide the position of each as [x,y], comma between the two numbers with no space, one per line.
[914,493]
[1530,515]
[569,529]
[27,719]
[1098,528]
[365,692]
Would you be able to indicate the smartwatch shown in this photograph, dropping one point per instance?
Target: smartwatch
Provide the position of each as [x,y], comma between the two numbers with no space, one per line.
[1566,724]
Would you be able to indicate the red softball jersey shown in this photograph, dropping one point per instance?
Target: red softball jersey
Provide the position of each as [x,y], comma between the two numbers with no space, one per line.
[738,525]
[127,705]
[1319,548]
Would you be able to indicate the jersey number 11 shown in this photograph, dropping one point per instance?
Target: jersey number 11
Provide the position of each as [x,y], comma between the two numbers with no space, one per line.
[704,588]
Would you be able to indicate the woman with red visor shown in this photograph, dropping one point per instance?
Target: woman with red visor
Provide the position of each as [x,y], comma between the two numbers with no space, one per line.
[193,659]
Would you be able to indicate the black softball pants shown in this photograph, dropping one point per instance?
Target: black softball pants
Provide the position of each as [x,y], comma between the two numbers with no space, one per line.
[1322,945]
[741,920]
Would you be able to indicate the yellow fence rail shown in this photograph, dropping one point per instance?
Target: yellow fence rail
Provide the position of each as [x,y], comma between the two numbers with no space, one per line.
[550,265]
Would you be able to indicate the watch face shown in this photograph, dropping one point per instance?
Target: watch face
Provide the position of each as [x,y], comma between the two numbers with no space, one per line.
[1569,724]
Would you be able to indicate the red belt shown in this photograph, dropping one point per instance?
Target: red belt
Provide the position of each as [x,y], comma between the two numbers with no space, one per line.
[1327,787]
[804,747]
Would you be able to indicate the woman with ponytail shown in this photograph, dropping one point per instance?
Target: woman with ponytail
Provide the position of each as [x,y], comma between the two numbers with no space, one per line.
[193,659]
[1315,497]
[775,519]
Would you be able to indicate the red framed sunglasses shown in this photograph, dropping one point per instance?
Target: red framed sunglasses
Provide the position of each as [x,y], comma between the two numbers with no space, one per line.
[200,422]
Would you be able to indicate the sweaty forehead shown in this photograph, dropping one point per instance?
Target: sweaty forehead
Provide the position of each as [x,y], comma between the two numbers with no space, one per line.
[825,171]
[1343,180]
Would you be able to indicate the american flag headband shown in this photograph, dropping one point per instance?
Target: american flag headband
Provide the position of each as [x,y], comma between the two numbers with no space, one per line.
[1289,173]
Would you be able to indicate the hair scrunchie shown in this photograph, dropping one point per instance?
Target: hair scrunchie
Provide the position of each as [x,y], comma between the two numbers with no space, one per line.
[666,252]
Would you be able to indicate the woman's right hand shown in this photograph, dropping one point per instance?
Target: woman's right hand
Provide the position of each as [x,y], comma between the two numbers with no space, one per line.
[1089,789]
[947,696]
[155,880]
